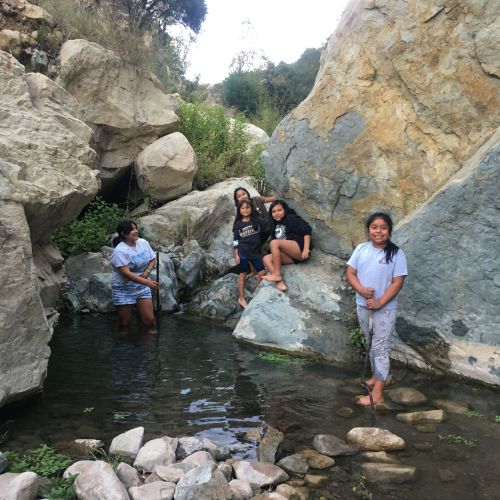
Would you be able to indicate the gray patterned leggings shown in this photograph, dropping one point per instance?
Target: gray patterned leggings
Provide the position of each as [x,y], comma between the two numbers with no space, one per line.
[383,324]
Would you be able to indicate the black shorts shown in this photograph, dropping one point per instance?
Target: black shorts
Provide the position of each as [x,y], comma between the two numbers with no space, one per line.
[245,267]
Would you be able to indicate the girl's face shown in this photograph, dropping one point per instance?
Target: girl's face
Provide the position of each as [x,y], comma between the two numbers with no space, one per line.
[241,194]
[278,212]
[378,233]
[246,210]
[133,236]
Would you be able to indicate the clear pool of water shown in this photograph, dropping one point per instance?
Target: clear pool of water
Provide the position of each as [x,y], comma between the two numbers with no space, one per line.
[194,379]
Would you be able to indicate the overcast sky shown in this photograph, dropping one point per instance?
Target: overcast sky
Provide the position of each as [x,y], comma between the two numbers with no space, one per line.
[279,29]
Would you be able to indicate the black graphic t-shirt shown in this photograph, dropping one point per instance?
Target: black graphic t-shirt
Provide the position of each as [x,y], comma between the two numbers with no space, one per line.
[292,227]
[247,238]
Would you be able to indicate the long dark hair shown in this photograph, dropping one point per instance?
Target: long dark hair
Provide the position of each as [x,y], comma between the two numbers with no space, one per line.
[390,249]
[284,204]
[254,217]
[123,229]
[240,189]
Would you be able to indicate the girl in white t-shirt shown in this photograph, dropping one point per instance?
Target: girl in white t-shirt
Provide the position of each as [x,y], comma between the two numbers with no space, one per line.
[132,260]
[376,271]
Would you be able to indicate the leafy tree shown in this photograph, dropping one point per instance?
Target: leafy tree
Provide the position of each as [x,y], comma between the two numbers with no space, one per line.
[243,91]
[163,13]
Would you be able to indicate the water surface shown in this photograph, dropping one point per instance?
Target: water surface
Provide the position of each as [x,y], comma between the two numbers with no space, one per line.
[194,379]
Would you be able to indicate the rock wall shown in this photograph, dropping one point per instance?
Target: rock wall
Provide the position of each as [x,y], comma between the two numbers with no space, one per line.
[406,92]
[46,177]
[449,317]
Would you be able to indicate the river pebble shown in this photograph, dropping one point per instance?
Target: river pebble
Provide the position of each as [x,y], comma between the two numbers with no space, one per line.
[375,439]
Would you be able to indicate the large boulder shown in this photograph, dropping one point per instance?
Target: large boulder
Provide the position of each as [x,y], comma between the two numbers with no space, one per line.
[46,178]
[128,108]
[449,317]
[306,319]
[405,94]
[165,169]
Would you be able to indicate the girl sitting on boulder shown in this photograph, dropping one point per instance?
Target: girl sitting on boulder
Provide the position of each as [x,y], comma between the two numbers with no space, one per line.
[132,260]
[377,270]
[290,241]
[247,245]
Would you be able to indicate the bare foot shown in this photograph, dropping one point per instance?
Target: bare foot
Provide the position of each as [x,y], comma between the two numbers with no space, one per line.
[365,401]
[281,286]
[272,277]
[243,303]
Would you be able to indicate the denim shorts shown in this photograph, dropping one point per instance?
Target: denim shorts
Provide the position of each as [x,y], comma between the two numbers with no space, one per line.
[129,292]
[244,264]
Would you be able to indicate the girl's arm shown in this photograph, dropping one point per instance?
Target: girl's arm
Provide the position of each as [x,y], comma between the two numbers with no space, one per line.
[393,289]
[149,269]
[352,279]
[307,246]
[127,273]
[236,237]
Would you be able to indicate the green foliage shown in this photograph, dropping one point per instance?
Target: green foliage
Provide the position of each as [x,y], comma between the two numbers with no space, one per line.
[121,415]
[267,117]
[357,339]
[143,45]
[457,439]
[360,490]
[244,91]
[91,230]
[113,460]
[89,409]
[60,488]
[473,414]
[280,359]
[221,145]
[497,419]
[44,461]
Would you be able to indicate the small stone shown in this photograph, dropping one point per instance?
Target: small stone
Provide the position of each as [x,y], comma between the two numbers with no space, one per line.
[226,469]
[159,451]
[153,478]
[375,439]
[288,492]
[456,407]
[241,489]
[388,406]
[172,473]
[315,481]
[295,464]
[90,444]
[317,460]
[269,496]
[128,475]
[381,457]
[296,483]
[187,446]
[331,445]
[199,458]
[389,473]
[269,444]
[407,396]
[253,435]
[159,490]
[426,428]
[446,475]
[23,486]
[3,462]
[259,474]
[345,412]
[431,416]
[128,443]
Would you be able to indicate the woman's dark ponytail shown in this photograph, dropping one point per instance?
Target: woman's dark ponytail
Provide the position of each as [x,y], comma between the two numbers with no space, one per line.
[123,229]
[390,249]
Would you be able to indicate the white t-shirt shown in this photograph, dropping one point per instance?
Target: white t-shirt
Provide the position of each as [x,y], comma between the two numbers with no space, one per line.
[373,271]
[136,258]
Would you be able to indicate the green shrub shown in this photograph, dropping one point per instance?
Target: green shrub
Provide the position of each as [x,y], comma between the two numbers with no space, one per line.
[221,145]
[91,230]
[357,339]
[44,461]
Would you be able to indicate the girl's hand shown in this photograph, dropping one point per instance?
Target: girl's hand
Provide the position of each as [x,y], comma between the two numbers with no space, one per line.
[305,254]
[153,285]
[374,304]
[368,293]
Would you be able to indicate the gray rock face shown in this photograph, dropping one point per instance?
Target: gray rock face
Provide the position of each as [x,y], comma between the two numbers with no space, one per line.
[306,319]
[386,123]
[452,324]
[46,178]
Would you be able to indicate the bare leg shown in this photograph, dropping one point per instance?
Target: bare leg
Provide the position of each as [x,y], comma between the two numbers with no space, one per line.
[282,252]
[268,262]
[124,316]
[241,291]
[252,272]
[146,311]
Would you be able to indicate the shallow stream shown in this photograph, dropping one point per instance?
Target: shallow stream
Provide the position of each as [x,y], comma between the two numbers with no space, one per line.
[194,379]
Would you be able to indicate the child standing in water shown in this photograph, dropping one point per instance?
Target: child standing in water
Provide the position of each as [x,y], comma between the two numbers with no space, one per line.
[376,271]
[247,245]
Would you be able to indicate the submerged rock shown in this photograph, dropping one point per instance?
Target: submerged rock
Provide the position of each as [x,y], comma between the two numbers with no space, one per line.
[431,416]
[295,464]
[269,444]
[317,460]
[331,445]
[407,396]
[389,473]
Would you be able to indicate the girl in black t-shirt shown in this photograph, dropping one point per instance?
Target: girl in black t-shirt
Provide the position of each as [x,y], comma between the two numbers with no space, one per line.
[290,241]
[247,245]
